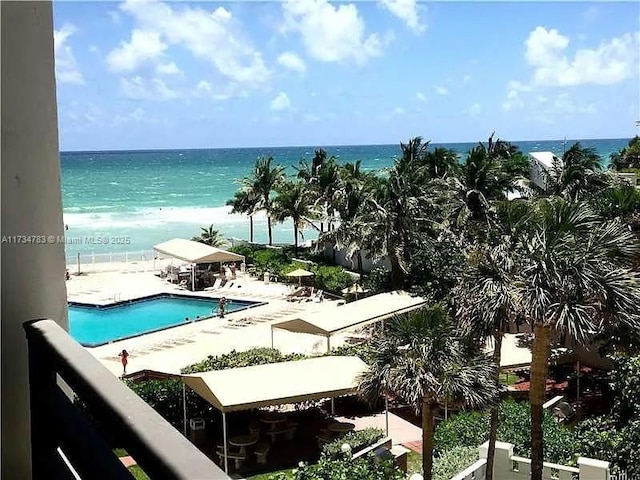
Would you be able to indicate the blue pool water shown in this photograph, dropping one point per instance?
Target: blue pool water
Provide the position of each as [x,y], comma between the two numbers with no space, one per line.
[94,325]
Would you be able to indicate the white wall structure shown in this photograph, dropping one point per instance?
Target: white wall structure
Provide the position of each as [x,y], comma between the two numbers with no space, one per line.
[33,263]
[543,165]
[507,466]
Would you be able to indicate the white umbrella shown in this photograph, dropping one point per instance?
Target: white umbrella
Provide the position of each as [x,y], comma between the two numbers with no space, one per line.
[300,273]
[356,288]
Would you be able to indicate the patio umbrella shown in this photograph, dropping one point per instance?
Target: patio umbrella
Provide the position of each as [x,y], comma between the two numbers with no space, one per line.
[355,289]
[300,273]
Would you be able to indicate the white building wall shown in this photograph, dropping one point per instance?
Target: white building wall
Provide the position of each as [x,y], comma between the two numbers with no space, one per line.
[33,284]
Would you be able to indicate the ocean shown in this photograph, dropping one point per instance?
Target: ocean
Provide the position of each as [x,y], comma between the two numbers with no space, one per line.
[128,201]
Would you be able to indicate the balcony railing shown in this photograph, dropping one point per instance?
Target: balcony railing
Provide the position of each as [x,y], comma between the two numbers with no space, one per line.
[66,443]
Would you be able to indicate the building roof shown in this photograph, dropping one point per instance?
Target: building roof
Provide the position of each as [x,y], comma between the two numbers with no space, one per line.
[358,313]
[195,252]
[277,383]
[546,159]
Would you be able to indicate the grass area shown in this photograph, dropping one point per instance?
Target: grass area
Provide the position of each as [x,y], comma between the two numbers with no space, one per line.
[414,462]
[138,473]
[267,476]
[120,452]
[507,378]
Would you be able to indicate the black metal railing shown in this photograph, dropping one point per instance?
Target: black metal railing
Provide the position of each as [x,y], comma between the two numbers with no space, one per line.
[66,442]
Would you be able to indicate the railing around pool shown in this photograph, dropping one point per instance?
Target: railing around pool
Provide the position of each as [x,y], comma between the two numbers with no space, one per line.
[71,442]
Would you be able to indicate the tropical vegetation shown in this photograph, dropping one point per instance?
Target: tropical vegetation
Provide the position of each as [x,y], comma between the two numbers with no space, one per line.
[474,237]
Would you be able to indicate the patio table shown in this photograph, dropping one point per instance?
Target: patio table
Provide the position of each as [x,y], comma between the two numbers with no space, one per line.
[273,419]
[341,427]
[243,441]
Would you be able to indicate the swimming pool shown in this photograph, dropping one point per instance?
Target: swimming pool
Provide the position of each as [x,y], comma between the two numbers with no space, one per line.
[94,325]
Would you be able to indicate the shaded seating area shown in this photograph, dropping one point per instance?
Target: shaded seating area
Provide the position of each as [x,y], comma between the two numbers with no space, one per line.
[248,390]
[194,254]
[355,314]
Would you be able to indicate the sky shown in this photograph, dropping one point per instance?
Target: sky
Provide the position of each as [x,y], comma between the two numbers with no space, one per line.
[174,74]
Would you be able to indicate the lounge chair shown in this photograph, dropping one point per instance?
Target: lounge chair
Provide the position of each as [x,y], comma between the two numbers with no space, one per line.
[261,452]
[183,284]
[215,285]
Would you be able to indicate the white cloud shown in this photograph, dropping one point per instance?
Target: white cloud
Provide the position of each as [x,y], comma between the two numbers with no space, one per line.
[137,88]
[168,69]
[280,102]
[611,62]
[144,46]
[474,110]
[331,33]
[420,97]
[442,91]
[406,10]
[398,111]
[310,117]
[213,36]
[206,90]
[292,61]
[67,70]
[466,79]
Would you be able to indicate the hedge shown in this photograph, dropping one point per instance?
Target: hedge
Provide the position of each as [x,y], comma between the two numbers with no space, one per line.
[357,440]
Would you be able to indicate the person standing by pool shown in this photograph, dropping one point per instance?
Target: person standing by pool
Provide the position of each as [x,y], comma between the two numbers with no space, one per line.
[221,304]
[124,355]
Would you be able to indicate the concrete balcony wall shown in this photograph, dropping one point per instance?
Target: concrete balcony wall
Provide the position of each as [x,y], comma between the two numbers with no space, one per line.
[33,265]
[507,466]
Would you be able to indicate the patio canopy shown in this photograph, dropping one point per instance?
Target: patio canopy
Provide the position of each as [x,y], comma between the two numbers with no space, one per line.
[368,310]
[196,252]
[277,383]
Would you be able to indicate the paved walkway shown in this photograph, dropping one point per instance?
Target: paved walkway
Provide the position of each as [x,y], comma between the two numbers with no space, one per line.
[400,431]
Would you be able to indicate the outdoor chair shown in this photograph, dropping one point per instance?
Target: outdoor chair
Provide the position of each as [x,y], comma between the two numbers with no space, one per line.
[261,452]
[215,285]
[233,453]
[183,284]
[564,412]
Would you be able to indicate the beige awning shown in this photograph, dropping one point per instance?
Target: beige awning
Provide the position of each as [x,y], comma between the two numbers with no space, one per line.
[515,351]
[196,252]
[368,310]
[277,383]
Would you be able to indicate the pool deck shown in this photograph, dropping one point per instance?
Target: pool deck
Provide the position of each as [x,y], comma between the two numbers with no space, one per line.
[174,348]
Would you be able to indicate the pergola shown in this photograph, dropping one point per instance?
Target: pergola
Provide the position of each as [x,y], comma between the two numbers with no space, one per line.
[195,253]
[279,383]
[355,314]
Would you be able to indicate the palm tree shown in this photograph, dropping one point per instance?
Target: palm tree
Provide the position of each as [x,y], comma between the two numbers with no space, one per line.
[628,157]
[487,302]
[210,236]
[573,279]
[264,181]
[579,174]
[246,202]
[328,188]
[422,358]
[293,202]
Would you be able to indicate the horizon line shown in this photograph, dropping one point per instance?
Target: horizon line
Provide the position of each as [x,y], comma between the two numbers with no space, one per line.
[513,142]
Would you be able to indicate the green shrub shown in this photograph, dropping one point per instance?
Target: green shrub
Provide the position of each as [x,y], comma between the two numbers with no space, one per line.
[378,280]
[470,429]
[453,461]
[466,429]
[269,260]
[331,279]
[248,358]
[365,468]
[247,251]
[357,440]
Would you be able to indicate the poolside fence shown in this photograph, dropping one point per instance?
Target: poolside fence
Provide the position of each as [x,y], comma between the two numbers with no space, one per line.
[135,261]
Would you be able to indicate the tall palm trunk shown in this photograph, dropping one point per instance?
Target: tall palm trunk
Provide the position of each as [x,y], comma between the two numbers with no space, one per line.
[269,227]
[251,228]
[428,411]
[493,422]
[539,366]
[295,236]
[359,262]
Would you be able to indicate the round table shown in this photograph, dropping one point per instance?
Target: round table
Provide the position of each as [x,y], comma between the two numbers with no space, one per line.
[341,427]
[273,419]
[243,441]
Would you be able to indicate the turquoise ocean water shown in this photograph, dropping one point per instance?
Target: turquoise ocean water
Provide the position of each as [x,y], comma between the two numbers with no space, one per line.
[121,201]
